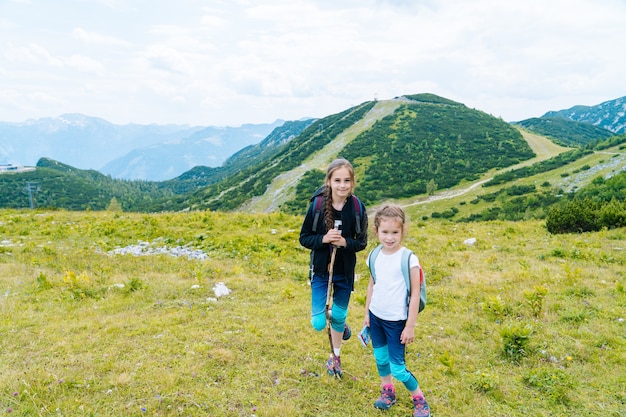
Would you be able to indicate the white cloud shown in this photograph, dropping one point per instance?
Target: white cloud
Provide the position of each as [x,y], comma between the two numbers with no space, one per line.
[85,64]
[30,54]
[252,61]
[92,38]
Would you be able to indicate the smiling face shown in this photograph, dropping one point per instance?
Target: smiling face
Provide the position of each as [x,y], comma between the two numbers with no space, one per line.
[389,233]
[341,183]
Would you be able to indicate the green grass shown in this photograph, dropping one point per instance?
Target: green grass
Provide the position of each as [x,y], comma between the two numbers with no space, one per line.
[522,323]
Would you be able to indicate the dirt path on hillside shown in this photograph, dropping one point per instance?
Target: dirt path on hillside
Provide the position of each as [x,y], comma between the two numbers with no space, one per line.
[543,148]
[282,188]
[446,194]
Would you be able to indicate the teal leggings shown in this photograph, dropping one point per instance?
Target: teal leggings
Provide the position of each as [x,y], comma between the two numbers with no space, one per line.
[341,299]
[389,352]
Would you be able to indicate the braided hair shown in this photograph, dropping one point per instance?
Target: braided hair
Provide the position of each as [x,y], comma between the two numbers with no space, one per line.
[329,219]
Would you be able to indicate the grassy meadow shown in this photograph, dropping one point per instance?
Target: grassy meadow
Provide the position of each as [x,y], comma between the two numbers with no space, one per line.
[519,323]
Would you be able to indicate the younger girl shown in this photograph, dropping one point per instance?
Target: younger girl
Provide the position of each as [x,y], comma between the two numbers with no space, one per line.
[391,322]
[339,228]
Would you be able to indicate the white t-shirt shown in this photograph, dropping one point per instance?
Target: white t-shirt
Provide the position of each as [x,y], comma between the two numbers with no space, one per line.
[389,296]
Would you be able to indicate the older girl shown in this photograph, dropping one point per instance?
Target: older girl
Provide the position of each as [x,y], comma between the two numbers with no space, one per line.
[337,228]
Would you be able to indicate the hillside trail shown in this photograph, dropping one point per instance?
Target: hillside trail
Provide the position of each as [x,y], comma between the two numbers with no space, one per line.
[283,187]
[543,148]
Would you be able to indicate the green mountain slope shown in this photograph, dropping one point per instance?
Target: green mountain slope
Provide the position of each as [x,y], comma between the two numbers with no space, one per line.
[565,131]
[427,145]
[403,147]
[526,190]
[57,185]
[412,149]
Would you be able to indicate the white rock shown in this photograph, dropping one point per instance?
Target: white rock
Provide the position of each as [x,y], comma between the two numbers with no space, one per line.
[220,289]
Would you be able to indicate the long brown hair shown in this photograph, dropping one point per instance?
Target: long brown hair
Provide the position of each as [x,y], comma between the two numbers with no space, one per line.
[329,220]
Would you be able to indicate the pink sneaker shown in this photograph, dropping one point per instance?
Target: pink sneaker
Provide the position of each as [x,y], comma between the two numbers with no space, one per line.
[334,366]
[387,398]
[420,406]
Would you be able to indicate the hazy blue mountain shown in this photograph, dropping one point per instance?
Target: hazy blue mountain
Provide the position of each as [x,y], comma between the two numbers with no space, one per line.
[208,147]
[151,152]
[78,140]
[610,115]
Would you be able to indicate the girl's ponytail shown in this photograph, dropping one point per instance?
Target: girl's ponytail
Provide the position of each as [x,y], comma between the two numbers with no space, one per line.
[329,218]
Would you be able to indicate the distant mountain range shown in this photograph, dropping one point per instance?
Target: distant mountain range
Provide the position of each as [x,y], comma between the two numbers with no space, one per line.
[408,146]
[147,152]
[610,115]
[208,147]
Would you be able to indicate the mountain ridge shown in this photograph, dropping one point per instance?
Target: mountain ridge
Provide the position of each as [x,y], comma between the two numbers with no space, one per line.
[132,151]
[405,149]
[278,192]
[610,115]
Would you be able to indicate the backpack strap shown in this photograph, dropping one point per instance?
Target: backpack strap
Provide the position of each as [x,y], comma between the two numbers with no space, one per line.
[357,213]
[406,273]
[371,260]
[318,200]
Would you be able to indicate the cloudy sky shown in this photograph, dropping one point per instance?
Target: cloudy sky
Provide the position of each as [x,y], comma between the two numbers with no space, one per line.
[225,63]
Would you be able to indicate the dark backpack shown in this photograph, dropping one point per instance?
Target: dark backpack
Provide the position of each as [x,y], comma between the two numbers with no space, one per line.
[406,273]
[318,205]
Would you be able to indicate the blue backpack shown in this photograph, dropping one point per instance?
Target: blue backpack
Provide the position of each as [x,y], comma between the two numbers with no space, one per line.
[406,266]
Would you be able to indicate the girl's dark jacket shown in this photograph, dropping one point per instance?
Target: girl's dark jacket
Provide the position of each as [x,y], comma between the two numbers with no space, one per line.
[320,252]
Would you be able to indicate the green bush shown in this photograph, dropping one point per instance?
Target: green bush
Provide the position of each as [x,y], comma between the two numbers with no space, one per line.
[515,339]
[573,216]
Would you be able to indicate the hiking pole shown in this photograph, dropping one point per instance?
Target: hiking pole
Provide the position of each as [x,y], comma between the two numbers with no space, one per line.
[328,298]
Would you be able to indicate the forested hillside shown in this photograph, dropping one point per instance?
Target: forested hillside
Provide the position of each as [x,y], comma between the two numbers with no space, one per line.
[402,149]
[564,131]
[578,190]
[430,146]
[428,143]
[56,185]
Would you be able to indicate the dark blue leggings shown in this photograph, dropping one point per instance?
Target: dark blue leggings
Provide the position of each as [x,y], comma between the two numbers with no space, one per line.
[341,298]
[389,352]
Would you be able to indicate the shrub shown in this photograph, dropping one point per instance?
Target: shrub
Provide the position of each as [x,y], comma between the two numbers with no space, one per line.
[573,216]
[535,299]
[515,339]
[496,307]
[613,214]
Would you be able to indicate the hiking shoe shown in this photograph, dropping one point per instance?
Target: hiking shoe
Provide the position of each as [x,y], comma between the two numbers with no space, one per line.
[387,398]
[347,333]
[420,406]
[334,366]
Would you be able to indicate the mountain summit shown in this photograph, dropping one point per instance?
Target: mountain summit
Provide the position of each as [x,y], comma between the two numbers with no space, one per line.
[610,115]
